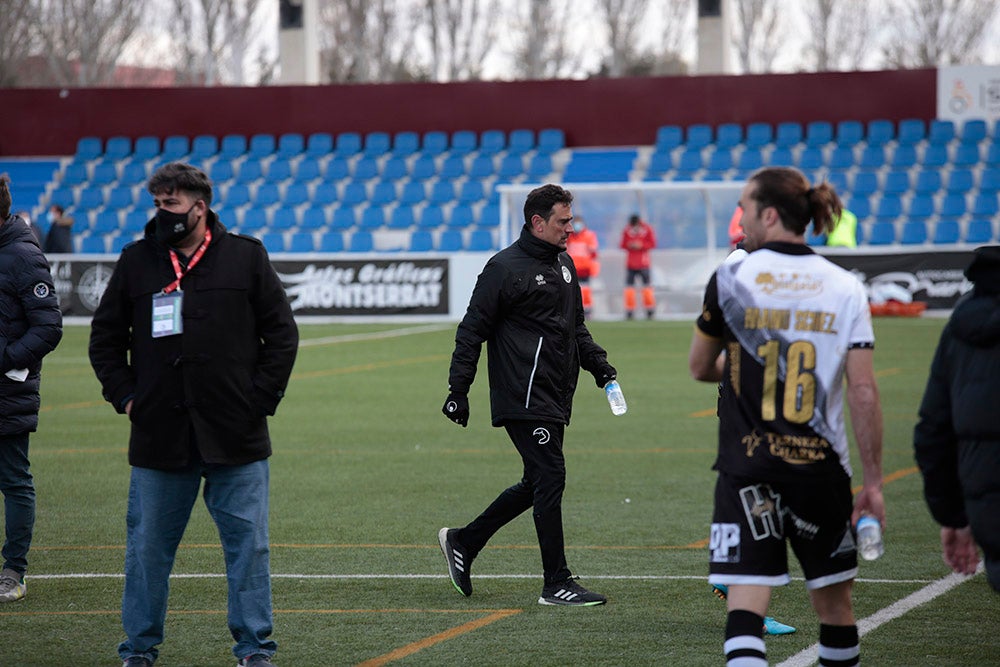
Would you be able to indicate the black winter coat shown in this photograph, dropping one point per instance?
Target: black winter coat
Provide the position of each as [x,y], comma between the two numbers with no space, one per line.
[957,440]
[205,392]
[30,324]
[527,307]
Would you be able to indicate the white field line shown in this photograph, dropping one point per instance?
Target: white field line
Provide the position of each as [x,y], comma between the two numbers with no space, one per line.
[375,335]
[609,577]
[935,589]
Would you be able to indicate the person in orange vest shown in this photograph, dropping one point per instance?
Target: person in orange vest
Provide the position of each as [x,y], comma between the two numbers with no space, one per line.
[637,240]
[735,228]
[582,248]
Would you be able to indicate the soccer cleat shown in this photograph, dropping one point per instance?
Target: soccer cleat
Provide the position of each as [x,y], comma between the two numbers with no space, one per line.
[458,564]
[12,586]
[771,626]
[256,660]
[570,593]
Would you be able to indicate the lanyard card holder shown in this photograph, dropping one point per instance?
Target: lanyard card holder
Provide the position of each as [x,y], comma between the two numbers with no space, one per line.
[167,314]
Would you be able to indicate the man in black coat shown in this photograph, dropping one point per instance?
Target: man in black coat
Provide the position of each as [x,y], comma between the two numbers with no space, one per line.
[30,328]
[527,308]
[957,440]
[194,340]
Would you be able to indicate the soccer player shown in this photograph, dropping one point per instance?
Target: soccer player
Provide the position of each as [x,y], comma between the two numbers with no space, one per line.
[780,331]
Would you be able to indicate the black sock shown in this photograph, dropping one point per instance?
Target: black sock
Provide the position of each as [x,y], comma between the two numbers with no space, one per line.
[838,646]
[745,638]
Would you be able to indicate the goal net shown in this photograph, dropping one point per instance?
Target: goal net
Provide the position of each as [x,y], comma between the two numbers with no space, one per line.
[690,219]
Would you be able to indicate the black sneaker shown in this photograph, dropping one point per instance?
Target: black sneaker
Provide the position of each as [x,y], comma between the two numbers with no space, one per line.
[458,564]
[570,593]
[137,661]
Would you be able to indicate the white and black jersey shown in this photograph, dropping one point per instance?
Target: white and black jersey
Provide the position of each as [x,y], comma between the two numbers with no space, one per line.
[787,317]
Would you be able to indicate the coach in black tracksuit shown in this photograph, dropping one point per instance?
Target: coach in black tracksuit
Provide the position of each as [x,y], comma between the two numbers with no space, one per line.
[527,307]
[957,440]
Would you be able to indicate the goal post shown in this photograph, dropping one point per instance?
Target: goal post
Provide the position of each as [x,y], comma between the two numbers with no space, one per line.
[690,220]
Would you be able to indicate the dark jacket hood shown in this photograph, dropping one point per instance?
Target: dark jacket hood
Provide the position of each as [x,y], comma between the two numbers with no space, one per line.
[536,247]
[976,319]
[14,230]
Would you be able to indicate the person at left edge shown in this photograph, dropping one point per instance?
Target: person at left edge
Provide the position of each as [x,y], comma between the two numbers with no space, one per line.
[194,340]
[32,327]
[526,306]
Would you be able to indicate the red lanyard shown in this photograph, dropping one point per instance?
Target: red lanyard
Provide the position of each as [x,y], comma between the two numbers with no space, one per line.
[195,258]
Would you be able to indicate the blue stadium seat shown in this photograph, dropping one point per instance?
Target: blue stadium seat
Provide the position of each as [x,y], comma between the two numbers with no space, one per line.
[372,217]
[343,218]
[75,174]
[897,183]
[105,173]
[860,206]
[759,135]
[953,206]
[331,242]
[435,143]
[394,169]
[227,216]
[464,142]
[945,232]
[414,192]
[432,216]
[262,146]
[105,222]
[669,137]
[348,144]
[914,233]
[788,135]
[973,131]
[865,183]
[301,242]
[250,170]
[401,217]
[928,181]
[492,142]
[90,199]
[921,207]
[903,157]
[119,241]
[273,241]
[838,179]
[720,161]
[489,215]
[699,135]
[882,233]
[146,148]
[253,221]
[750,159]
[145,200]
[880,132]
[819,133]
[117,148]
[872,157]
[423,168]
[979,230]
[175,147]
[324,194]
[296,194]
[221,171]
[850,133]
[690,162]
[960,180]
[365,169]
[539,166]
[511,166]
[204,146]
[452,167]
[989,180]
[659,164]
[993,153]
[135,220]
[450,240]
[911,131]
[133,173]
[841,157]
[482,167]
[314,217]
[471,192]
[966,155]
[405,144]
[940,132]
[290,145]
[728,135]
[522,140]
[337,169]
[461,216]
[442,192]
[283,219]
[889,208]
[361,241]
[354,193]
[550,140]
[93,244]
[232,146]
[279,170]
[985,205]
[120,198]
[383,193]
[237,194]
[319,144]
[811,158]
[421,240]
[377,144]
[88,148]
[480,240]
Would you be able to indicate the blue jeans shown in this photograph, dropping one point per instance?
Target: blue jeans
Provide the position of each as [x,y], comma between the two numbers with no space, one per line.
[159,507]
[18,501]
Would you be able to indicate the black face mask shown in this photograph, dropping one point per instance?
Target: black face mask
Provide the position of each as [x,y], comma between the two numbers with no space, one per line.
[172,228]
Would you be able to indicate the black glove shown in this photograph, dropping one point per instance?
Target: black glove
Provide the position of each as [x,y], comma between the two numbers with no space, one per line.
[604,375]
[456,408]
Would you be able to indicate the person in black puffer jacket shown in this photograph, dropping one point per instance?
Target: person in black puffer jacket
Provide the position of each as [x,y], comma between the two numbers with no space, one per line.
[30,328]
[957,440]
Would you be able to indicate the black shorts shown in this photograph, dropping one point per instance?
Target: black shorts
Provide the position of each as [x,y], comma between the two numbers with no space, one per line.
[632,276]
[752,521]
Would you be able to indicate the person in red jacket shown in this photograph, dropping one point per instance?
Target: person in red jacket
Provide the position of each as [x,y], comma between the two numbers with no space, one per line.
[637,240]
[582,248]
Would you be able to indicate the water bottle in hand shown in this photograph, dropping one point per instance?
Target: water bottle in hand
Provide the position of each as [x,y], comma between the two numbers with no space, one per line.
[616,399]
[869,537]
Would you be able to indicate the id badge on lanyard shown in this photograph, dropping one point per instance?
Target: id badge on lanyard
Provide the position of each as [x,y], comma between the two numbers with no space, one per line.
[167,320]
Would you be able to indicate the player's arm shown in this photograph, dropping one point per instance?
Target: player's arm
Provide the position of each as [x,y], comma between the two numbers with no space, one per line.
[705,359]
[866,419]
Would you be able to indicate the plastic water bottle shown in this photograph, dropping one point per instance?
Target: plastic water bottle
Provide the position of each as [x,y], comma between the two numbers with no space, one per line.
[616,399]
[869,538]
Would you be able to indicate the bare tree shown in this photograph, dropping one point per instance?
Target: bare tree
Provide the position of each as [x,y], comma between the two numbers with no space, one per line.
[83,39]
[462,35]
[679,21]
[932,33]
[369,40]
[757,23]
[19,20]
[842,34]
[624,19]
[217,40]
[544,48]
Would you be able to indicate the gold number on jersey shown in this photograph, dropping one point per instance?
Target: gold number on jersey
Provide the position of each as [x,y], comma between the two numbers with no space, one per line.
[799,401]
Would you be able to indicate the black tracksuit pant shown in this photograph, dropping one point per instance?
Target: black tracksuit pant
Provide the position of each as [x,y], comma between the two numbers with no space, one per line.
[541,488]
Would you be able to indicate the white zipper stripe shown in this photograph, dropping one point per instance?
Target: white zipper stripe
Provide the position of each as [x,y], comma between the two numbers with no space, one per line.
[531,378]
